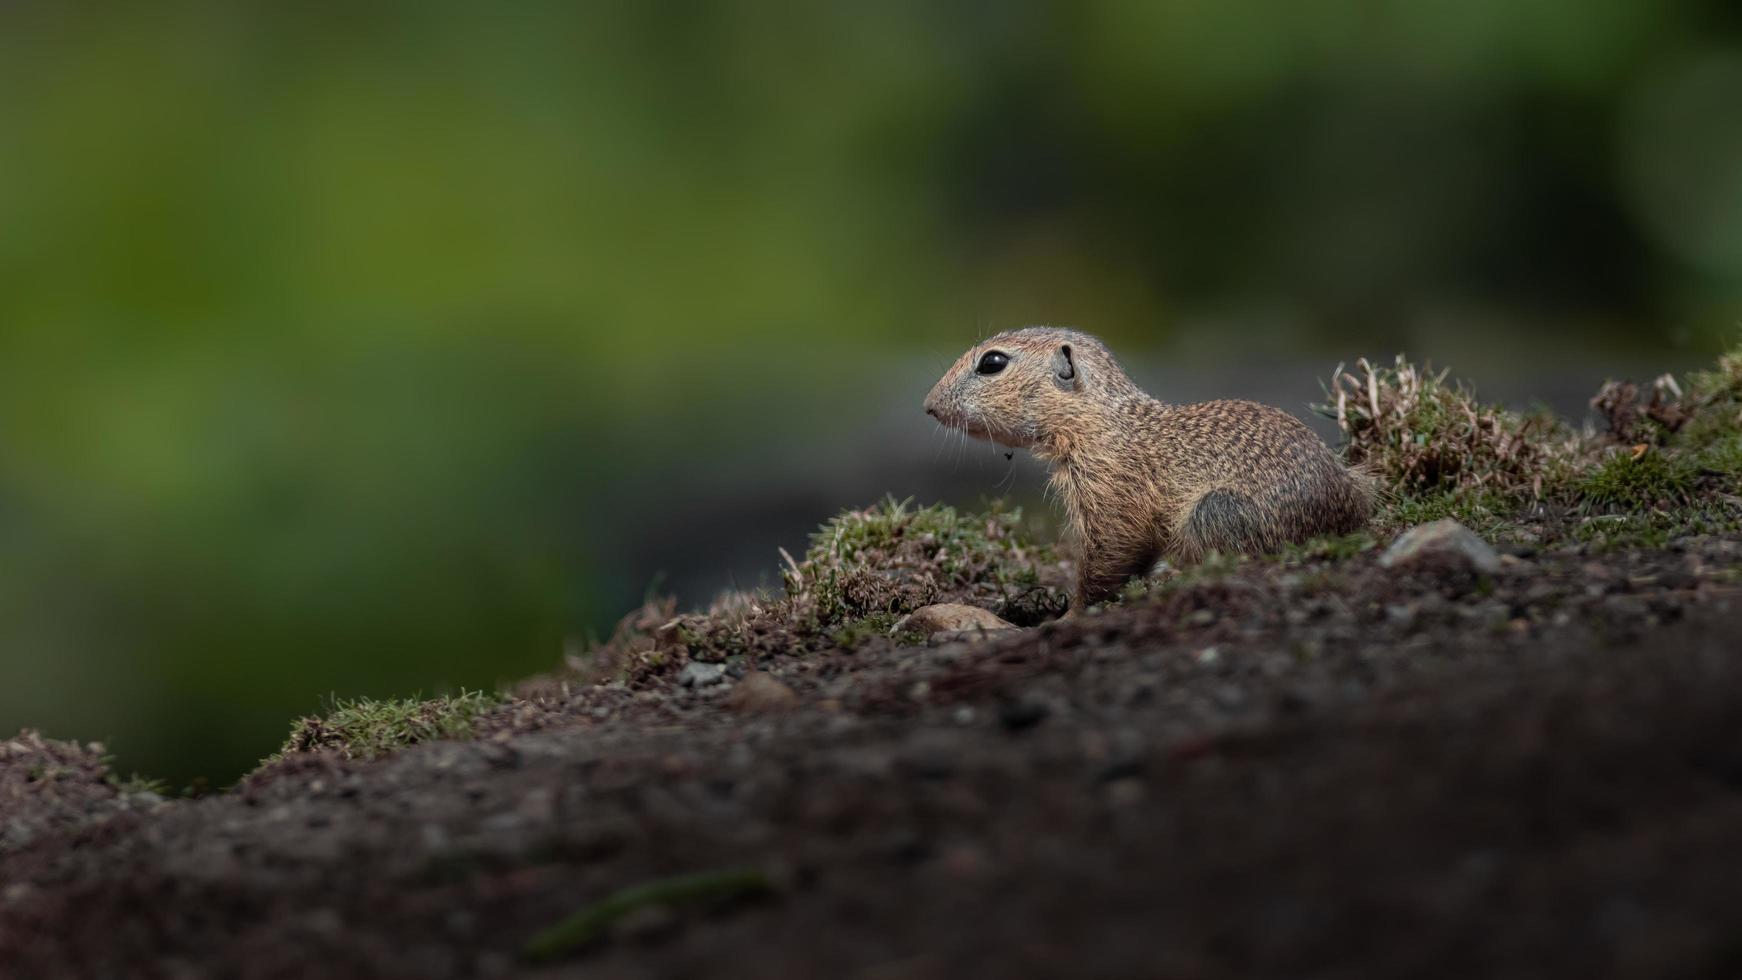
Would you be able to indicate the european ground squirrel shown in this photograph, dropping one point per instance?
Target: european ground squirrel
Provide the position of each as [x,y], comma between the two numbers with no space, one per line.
[1140,479]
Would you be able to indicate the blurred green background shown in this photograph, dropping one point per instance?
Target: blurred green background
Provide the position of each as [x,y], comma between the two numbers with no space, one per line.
[378,348]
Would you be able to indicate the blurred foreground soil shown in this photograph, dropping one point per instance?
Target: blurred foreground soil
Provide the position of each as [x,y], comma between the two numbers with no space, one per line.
[1325,769]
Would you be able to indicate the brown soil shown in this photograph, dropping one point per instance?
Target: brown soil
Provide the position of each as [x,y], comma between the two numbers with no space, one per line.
[1328,770]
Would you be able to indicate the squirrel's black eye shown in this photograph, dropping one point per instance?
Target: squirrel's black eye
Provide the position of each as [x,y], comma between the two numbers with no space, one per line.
[992,362]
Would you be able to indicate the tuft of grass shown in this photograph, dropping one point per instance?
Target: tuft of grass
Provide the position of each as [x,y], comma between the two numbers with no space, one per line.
[892,558]
[369,729]
[590,923]
[1423,435]
[136,784]
[862,571]
[1667,464]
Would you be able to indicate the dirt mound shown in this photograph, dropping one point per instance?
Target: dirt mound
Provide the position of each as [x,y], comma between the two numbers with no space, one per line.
[48,786]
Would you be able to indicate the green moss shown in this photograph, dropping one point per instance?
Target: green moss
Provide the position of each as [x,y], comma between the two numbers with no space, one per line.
[961,548]
[1648,497]
[368,729]
[855,632]
[863,571]
[140,784]
[1722,457]
[1215,566]
[1653,529]
[1716,397]
[1487,513]
[1638,481]
[892,558]
[1332,548]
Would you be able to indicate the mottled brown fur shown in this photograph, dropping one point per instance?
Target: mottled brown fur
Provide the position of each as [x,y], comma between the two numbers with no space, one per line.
[1140,479]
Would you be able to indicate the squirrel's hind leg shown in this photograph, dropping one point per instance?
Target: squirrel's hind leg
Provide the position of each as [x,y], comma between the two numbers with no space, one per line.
[1224,521]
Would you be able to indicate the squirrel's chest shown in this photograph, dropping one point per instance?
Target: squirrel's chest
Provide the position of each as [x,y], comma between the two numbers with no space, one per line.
[1118,490]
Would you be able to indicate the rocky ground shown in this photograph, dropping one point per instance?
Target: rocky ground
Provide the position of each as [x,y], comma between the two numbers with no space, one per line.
[1316,767]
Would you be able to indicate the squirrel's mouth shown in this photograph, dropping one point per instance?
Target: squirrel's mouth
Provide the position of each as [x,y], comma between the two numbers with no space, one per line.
[1001,437]
[959,422]
[969,425]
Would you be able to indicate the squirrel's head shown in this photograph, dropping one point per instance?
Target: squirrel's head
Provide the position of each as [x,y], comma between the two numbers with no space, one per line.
[1022,387]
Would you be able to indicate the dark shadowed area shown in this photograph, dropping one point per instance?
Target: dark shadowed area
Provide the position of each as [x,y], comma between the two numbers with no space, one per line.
[356,351]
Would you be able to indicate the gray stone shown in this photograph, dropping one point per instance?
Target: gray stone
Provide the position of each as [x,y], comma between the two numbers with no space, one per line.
[699,674]
[1443,544]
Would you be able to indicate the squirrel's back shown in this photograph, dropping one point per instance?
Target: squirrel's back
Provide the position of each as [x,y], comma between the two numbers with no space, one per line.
[1256,459]
[1260,476]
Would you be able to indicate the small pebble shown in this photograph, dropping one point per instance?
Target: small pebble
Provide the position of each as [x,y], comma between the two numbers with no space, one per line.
[697,673]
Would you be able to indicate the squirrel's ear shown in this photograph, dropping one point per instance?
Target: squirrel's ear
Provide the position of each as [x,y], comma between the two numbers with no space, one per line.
[1064,370]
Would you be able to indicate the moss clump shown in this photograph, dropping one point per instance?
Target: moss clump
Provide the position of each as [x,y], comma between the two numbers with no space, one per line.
[1715,408]
[862,572]
[1642,479]
[1723,459]
[369,729]
[1486,512]
[893,558]
[867,568]
[1668,465]
[857,631]
[1332,548]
